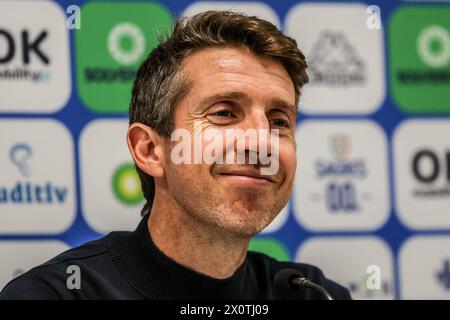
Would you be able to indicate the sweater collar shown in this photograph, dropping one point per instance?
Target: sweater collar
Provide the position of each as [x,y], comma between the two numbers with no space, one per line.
[157,276]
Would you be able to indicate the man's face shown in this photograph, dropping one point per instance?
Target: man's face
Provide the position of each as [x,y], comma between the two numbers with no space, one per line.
[234,89]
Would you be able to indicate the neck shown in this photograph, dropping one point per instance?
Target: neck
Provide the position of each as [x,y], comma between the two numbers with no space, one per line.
[193,244]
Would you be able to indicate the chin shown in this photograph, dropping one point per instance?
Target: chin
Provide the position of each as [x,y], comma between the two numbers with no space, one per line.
[250,226]
[245,232]
[244,218]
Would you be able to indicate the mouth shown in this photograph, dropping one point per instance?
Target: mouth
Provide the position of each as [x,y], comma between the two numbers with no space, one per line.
[248,176]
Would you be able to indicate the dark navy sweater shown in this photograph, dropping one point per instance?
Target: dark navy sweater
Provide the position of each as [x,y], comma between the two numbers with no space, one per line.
[128,265]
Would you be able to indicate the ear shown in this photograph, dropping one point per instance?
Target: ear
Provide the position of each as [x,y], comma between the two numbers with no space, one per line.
[146,148]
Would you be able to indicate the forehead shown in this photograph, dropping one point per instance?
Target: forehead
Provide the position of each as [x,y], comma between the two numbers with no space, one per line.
[223,69]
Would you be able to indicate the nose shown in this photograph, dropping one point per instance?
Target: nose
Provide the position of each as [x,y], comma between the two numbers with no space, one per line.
[253,137]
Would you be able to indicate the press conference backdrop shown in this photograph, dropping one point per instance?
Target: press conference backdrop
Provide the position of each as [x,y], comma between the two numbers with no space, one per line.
[371,202]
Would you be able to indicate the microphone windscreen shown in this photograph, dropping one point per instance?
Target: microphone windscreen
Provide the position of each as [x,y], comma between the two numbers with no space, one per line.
[283,279]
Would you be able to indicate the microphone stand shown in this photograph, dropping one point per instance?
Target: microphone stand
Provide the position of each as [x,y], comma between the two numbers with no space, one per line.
[303,282]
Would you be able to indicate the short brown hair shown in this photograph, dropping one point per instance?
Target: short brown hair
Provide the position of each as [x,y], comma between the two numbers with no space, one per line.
[160,82]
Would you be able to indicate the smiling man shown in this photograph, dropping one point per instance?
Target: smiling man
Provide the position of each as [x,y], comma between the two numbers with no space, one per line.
[222,73]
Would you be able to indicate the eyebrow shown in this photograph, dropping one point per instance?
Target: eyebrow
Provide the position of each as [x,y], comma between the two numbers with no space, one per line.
[238,95]
[282,104]
[232,95]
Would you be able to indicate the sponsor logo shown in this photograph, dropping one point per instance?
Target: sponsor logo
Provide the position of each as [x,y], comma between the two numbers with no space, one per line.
[341,182]
[126,185]
[433,45]
[361,264]
[426,168]
[114,40]
[422,173]
[420,54]
[27,48]
[433,49]
[126,43]
[28,191]
[37,193]
[333,61]
[34,57]
[341,196]
[344,50]
[429,257]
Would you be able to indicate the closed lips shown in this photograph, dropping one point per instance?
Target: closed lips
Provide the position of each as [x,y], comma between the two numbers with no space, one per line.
[248,173]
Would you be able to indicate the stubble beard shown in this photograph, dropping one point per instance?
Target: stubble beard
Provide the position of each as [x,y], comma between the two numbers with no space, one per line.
[241,214]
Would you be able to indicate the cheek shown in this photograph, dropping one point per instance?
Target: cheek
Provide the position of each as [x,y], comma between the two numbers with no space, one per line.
[192,167]
[288,159]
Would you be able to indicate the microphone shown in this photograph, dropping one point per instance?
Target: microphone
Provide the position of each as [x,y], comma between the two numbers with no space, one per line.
[291,279]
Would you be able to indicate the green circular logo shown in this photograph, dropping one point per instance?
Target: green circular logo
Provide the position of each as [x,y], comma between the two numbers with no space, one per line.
[434,46]
[126,43]
[126,185]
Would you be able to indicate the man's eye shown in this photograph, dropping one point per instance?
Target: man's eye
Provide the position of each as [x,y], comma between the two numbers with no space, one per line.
[280,123]
[222,113]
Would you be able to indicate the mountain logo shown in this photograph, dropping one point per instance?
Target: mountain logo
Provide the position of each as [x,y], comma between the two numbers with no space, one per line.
[335,62]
